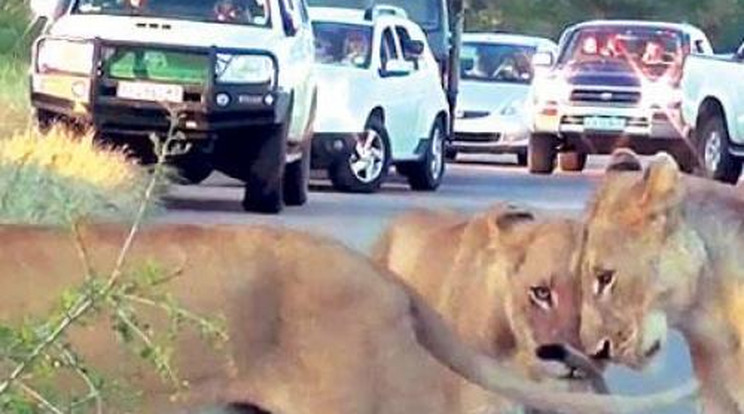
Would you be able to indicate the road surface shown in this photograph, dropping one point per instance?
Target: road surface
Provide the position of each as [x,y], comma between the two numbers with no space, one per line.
[470,186]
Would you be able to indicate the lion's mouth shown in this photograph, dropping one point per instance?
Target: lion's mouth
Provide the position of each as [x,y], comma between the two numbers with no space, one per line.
[653,350]
[579,366]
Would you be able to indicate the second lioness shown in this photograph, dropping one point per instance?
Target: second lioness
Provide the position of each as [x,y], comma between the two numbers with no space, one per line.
[502,280]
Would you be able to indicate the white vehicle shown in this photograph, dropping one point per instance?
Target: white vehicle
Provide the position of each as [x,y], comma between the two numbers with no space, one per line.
[615,83]
[380,100]
[238,71]
[713,105]
[494,88]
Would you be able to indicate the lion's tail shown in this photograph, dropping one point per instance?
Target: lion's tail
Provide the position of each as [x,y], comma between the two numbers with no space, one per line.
[434,335]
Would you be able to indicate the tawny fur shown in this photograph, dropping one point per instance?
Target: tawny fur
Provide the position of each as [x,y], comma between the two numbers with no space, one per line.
[314,327]
[478,273]
[673,244]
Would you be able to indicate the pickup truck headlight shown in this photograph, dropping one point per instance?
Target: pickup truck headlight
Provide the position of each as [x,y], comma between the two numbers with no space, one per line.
[246,69]
[65,56]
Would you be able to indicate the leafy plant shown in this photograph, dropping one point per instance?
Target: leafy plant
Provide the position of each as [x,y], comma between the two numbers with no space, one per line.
[38,358]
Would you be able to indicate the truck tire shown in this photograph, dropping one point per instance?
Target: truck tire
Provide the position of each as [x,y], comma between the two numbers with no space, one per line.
[264,178]
[297,179]
[572,161]
[522,158]
[297,174]
[191,169]
[541,154]
[367,164]
[713,146]
[427,174]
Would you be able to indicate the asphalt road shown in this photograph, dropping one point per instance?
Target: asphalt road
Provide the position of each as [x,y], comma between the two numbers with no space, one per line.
[470,185]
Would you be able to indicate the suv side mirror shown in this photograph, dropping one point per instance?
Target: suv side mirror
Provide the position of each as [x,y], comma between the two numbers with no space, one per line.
[542,60]
[397,67]
[414,49]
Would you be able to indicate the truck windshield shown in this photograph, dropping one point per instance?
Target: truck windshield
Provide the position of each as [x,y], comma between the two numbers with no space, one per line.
[246,12]
[427,13]
[342,44]
[493,62]
[652,52]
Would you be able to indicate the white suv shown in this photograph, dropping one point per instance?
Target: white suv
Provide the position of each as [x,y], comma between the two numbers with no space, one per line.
[239,71]
[380,100]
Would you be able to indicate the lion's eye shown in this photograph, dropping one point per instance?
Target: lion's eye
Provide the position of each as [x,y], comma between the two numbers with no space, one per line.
[605,279]
[541,296]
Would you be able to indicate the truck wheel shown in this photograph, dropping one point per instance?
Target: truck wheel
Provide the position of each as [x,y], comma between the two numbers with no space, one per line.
[191,169]
[713,145]
[541,154]
[297,179]
[264,182]
[450,154]
[426,175]
[522,158]
[367,164]
[572,161]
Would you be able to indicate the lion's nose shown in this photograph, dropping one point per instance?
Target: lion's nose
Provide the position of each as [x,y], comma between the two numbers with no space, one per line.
[604,350]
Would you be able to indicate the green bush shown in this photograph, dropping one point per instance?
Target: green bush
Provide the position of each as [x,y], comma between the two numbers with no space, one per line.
[14,27]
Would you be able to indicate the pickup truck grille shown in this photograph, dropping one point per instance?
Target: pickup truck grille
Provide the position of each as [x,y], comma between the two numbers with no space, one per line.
[604,97]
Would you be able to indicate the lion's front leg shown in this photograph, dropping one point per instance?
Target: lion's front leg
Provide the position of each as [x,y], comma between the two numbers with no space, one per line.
[719,366]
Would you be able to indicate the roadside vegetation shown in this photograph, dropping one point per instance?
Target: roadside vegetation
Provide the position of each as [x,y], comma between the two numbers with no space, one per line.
[64,180]
[71,177]
[15,40]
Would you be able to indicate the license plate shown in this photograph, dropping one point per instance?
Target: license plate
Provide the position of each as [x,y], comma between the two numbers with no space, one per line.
[153,92]
[600,123]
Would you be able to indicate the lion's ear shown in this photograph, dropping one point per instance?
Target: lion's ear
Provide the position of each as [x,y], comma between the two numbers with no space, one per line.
[661,179]
[623,160]
[512,217]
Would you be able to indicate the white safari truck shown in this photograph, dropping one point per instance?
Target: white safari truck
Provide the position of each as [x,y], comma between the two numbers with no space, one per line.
[713,105]
[239,73]
[614,84]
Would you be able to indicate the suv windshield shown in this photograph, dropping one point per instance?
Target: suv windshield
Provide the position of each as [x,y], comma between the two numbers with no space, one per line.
[343,44]
[652,52]
[493,62]
[247,12]
[424,12]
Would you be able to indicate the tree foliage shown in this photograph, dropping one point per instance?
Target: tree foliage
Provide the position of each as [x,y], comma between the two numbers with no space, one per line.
[720,19]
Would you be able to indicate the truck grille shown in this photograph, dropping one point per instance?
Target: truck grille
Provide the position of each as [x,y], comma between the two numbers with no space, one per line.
[608,97]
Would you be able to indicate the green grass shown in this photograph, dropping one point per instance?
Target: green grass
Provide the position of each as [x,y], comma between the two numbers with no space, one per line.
[14,105]
[16,37]
[59,177]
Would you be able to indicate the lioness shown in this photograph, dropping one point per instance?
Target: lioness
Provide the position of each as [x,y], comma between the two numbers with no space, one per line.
[665,250]
[503,279]
[314,328]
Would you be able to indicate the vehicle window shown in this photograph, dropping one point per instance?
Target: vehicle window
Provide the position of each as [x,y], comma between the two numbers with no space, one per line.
[653,52]
[248,12]
[388,50]
[427,13]
[404,37]
[291,13]
[699,46]
[342,44]
[495,62]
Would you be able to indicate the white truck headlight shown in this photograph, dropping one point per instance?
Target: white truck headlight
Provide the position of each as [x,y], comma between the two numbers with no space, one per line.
[65,56]
[248,69]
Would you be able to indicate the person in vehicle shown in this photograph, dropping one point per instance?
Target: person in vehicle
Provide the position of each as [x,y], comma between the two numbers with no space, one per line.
[355,49]
[231,11]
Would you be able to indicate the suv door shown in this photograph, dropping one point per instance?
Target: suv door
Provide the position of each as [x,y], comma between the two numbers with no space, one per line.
[297,28]
[421,85]
[396,85]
